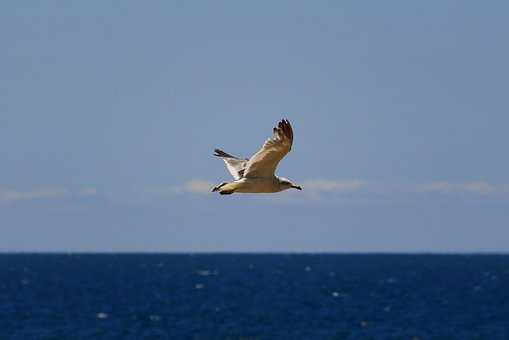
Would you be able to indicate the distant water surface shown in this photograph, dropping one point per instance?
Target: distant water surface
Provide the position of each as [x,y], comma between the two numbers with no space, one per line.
[254,296]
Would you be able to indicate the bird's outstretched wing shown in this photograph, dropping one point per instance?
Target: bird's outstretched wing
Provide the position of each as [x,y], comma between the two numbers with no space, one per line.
[265,161]
[234,165]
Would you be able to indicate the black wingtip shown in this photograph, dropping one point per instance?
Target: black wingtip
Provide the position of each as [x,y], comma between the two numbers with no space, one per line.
[220,153]
[286,128]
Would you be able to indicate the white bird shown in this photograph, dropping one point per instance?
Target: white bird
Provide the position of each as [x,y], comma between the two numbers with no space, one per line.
[257,174]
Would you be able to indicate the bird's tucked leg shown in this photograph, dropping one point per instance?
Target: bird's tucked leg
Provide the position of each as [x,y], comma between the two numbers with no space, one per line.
[217,187]
[227,188]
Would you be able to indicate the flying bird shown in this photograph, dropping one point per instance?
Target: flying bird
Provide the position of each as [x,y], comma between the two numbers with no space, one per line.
[257,174]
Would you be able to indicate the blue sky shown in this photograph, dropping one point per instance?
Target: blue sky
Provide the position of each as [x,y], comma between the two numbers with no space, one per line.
[109,114]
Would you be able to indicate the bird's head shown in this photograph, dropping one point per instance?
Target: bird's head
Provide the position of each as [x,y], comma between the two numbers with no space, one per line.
[285,183]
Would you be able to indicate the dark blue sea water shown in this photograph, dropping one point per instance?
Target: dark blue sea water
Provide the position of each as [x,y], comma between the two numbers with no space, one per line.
[254,297]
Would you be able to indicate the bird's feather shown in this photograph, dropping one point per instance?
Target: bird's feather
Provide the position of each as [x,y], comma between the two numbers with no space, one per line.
[265,161]
[235,166]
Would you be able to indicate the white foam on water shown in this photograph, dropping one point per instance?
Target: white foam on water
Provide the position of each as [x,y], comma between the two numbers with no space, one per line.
[102,315]
[206,272]
[154,317]
[339,295]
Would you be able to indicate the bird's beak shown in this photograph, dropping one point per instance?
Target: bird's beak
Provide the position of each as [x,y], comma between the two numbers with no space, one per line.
[296,187]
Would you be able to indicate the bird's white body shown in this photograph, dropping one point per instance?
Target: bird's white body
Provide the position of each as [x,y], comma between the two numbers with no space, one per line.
[257,185]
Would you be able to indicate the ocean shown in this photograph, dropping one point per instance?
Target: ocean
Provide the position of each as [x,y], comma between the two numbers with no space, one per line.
[253,296]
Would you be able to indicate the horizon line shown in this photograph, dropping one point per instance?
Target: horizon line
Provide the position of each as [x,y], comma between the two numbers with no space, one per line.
[461,253]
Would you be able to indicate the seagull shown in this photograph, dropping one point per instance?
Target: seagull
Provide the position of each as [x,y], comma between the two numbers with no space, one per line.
[257,174]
